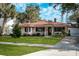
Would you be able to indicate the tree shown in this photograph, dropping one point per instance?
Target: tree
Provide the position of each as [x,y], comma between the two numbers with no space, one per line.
[21,17]
[6,10]
[66,8]
[69,7]
[75,15]
[32,13]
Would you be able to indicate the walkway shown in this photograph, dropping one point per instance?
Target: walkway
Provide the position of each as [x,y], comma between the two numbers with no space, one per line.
[28,44]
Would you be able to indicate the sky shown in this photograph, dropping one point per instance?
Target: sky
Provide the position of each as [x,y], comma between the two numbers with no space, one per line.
[46,12]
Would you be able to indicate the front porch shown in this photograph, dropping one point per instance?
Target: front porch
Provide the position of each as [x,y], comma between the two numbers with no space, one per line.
[43,31]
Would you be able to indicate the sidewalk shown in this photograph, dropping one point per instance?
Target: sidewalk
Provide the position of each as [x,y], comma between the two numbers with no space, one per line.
[54,52]
[28,44]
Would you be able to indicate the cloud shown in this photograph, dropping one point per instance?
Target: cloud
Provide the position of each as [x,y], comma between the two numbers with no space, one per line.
[20,7]
[49,13]
[46,12]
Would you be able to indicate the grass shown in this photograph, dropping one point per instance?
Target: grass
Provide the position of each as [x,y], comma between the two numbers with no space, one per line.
[32,39]
[12,50]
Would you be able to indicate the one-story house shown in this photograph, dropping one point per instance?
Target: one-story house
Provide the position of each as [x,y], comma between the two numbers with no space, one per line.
[43,27]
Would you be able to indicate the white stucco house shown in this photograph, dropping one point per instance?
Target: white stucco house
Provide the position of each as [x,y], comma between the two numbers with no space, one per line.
[42,27]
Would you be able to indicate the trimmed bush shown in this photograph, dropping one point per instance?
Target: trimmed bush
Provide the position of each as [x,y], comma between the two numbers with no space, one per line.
[16,31]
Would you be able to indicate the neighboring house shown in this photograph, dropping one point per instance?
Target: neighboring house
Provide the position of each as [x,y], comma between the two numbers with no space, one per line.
[74,29]
[8,26]
[43,28]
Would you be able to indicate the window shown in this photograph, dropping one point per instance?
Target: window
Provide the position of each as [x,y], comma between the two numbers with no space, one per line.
[39,29]
[29,29]
[26,29]
[58,28]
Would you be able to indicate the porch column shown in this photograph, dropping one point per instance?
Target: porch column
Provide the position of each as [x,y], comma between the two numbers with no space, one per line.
[46,31]
[22,31]
[66,29]
[33,30]
[28,30]
[52,30]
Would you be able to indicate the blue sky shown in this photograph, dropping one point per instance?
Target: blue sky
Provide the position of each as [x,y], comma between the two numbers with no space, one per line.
[46,12]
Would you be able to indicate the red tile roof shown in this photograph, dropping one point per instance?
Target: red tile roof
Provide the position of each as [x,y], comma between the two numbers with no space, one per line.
[43,23]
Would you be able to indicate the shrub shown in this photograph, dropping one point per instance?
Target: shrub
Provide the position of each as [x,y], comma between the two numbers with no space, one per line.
[68,34]
[64,33]
[16,31]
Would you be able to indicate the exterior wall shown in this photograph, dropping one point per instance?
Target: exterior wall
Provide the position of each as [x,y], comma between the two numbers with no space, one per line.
[22,31]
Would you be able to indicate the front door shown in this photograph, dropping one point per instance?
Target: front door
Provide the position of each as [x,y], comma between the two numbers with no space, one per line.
[49,30]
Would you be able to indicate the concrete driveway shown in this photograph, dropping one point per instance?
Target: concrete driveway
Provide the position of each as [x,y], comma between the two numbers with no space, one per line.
[68,43]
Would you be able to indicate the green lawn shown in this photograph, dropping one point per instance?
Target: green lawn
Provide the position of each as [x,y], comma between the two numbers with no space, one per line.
[13,50]
[32,39]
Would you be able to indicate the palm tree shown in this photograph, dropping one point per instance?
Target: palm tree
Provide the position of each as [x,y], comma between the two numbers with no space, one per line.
[21,17]
[7,10]
[74,16]
[31,14]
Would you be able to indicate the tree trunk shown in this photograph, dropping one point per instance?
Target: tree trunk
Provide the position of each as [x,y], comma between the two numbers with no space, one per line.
[3,25]
[67,17]
[61,18]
